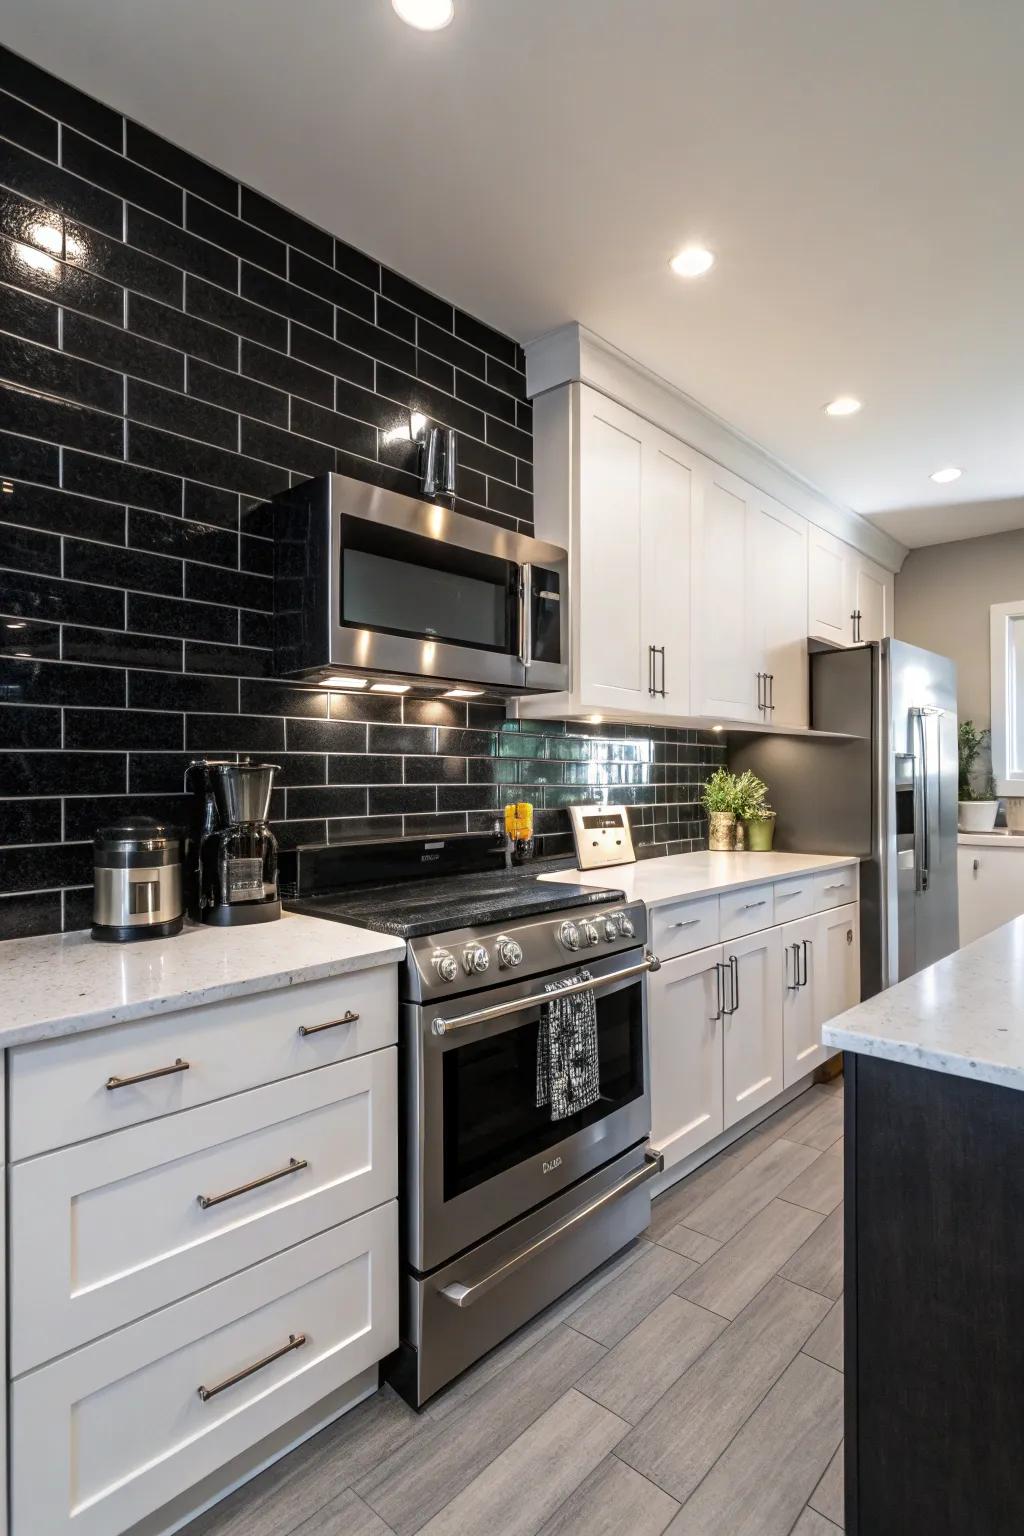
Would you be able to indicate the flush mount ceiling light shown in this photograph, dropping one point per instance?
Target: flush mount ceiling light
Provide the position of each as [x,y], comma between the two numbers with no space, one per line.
[944,476]
[692,261]
[426,15]
[843,405]
[389,687]
[462,693]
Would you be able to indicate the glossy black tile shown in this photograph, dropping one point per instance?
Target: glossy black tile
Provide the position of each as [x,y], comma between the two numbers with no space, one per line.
[61,422]
[273,698]
[235,314]
[28,725]
[357,828]
[58,99]
[63,773]
[326,736]
[448,825]
[500,434]
[26,917]
[335,287]
[114,648]
[44,682]
[157,773]
[524,415]
[233,733]
[286,300]
[119,175]
[46,866]
[466,797]
[452,348]
[235,393]
[392,317]
[333,356]
[114,566]
[106,478]
[286,449]
[23,549]
[30,821]
[180,456]
[494,401]
[465,743]
[286,226]
[402,738]
[177,413]
[121,264]
[179,618]
[364,768]
[211,504]
[255,629]
[492,342]
[509,379]
[332,800]
[431,770]
[435,372]
[31,129]
[174,245]
[488,715]
[235,235]
[180,692]
[421,397]
[373,707]
[304,769]
[341,431]
[401,291]
[354,264]
[231,661]
[83,818]
[55,373]
[122,730]
[119,349]
[402,799]
[524,475]
[77,909]
[59,190]
[509,499]
[486,460]
[178,166]
[45,597]
[186,333]
[23,315]
[211,584]
[24,458]
[433,711]
[255,555]
[182,537]
[287,374]
[28,639]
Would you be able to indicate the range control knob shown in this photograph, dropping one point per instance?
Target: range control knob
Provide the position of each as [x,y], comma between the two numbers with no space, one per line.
[569,936]
[611,929]
[446,965]
[589,933]
[626,925]
[509,952]
[475,958]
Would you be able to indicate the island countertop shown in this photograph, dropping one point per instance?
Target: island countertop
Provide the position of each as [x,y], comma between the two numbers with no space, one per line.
[964,1015]
[678,875]
[65,984]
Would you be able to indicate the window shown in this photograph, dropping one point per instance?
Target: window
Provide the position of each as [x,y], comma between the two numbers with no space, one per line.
[1008,697]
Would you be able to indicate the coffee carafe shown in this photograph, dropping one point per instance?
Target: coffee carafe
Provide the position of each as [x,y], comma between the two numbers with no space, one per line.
[233,853]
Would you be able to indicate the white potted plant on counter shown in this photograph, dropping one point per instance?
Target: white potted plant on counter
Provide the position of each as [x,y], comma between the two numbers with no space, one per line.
[977,812]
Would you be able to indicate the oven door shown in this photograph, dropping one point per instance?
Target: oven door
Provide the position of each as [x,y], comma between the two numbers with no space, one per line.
[422,591]
[481,1152]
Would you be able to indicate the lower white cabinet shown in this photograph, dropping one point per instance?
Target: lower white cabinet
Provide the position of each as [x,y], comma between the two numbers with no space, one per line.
[991,884]
[838,943]
[108,1434]
[752,1064]
[821,962]
[685,1006]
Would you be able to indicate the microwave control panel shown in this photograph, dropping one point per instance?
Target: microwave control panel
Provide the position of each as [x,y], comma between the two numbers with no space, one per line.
[602,836]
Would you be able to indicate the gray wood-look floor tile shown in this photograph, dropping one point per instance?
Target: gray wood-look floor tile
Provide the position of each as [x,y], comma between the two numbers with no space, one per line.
[829,1498]
[735,1274]
[826,1342]
[723,1213]
[813,1524]
[617,1309]
[686,1431]
[409,1487]
[820,1186]
[819,1263]
[692,1245]
[643,1365]
[759,1486]
[823,1127]
[346,1515]
[614,1501]
[523,1487]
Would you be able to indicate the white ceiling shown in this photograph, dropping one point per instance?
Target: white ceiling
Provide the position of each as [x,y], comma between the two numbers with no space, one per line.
[855,164]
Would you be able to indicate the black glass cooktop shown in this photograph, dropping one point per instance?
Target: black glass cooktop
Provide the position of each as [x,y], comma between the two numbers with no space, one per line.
[410,909]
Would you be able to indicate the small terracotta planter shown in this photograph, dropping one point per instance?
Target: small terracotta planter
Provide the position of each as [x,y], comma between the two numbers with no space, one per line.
[721,831]
[760,834]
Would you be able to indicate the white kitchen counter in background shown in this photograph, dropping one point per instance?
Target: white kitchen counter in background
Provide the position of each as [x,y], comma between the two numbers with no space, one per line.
[964,1015]
[654,881]
[998,839]
[65,984]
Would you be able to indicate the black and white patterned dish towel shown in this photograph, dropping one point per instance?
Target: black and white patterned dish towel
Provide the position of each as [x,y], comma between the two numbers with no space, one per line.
[568,1069]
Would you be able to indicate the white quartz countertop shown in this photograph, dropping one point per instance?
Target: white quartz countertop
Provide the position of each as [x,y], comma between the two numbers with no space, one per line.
[655,881]
[964,1015]
[65,984]
[1001,838]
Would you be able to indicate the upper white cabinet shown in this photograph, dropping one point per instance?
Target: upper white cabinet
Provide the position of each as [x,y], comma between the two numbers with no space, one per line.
[850,598]
[780,611]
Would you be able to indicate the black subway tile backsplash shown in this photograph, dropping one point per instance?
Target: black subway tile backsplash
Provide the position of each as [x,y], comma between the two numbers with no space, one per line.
[179,351]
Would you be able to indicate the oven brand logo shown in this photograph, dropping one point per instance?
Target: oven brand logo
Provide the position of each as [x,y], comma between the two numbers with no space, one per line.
[556,1162]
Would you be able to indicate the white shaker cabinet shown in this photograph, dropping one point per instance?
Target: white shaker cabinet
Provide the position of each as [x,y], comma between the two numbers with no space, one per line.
[849,597]
[752,1067]
[685,1002]
[991,884]
[870,598]
[803,990]
[838,973]
[726,684]
[780,611]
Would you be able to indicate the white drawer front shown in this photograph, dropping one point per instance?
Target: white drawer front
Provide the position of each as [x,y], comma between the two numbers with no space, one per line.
[836,887]
[747,911]
[108,1434]
[58,1089]
[105,1232]
[794,898]
[683,926]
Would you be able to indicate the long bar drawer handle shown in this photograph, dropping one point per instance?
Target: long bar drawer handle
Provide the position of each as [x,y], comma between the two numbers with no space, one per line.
[147,1077]
[785,894]
[295,1341]
[315,1029]
[752,904]
[295,1165]
[692,923]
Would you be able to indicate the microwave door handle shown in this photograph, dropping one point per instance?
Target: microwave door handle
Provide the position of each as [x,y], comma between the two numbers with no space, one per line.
[526,614]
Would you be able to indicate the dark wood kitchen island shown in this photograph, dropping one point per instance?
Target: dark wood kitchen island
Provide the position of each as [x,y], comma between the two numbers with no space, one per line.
[935,1248]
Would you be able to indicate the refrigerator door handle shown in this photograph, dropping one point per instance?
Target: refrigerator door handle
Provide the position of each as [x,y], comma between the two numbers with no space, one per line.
[922,828]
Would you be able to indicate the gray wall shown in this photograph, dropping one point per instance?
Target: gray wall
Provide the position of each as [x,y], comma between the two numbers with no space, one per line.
[943,596]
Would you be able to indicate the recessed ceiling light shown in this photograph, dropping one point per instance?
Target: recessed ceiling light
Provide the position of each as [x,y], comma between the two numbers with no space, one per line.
[389,687]
[345,682]
[843,405]
[462,693]
[692,261]
[594,719]
[944,476]
[427,15]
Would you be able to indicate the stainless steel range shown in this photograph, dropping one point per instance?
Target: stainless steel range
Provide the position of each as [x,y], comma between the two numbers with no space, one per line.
[503,1206]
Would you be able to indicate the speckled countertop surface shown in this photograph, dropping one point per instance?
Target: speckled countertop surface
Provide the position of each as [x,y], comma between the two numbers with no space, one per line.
[964,1015]
[65,984]
[679,875]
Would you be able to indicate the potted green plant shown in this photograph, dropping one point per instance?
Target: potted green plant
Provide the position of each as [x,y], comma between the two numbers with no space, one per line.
[755,818]
[976,811]
[760,829]
[719,800]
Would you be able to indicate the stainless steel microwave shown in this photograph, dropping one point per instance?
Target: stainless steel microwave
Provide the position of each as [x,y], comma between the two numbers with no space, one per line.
[371,583]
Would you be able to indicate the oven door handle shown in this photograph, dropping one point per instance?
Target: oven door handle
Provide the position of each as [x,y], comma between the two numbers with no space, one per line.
[442,1026]
[464,1295]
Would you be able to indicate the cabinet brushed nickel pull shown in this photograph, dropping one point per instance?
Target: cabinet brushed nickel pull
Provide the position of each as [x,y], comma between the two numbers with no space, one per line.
[840,887]
[734,972]
[295,1341]
[316,1029]
[752,904]
[690,923]
[807,946]
[295,1165]
[146,1077]
[786,894]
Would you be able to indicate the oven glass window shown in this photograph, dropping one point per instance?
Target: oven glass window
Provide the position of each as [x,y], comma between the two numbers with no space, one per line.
[403,584]
[491,1119]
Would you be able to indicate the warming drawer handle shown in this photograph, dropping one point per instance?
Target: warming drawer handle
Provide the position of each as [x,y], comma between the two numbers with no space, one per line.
[465,1295]
[442,1026]
[314,1029]
[147,1077]
[295,1341]
[295,1165]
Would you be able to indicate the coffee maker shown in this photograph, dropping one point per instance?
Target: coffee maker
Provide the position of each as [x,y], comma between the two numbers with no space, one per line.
[233,853]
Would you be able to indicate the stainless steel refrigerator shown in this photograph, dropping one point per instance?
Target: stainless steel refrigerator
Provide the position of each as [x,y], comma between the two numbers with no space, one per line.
[884,786]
